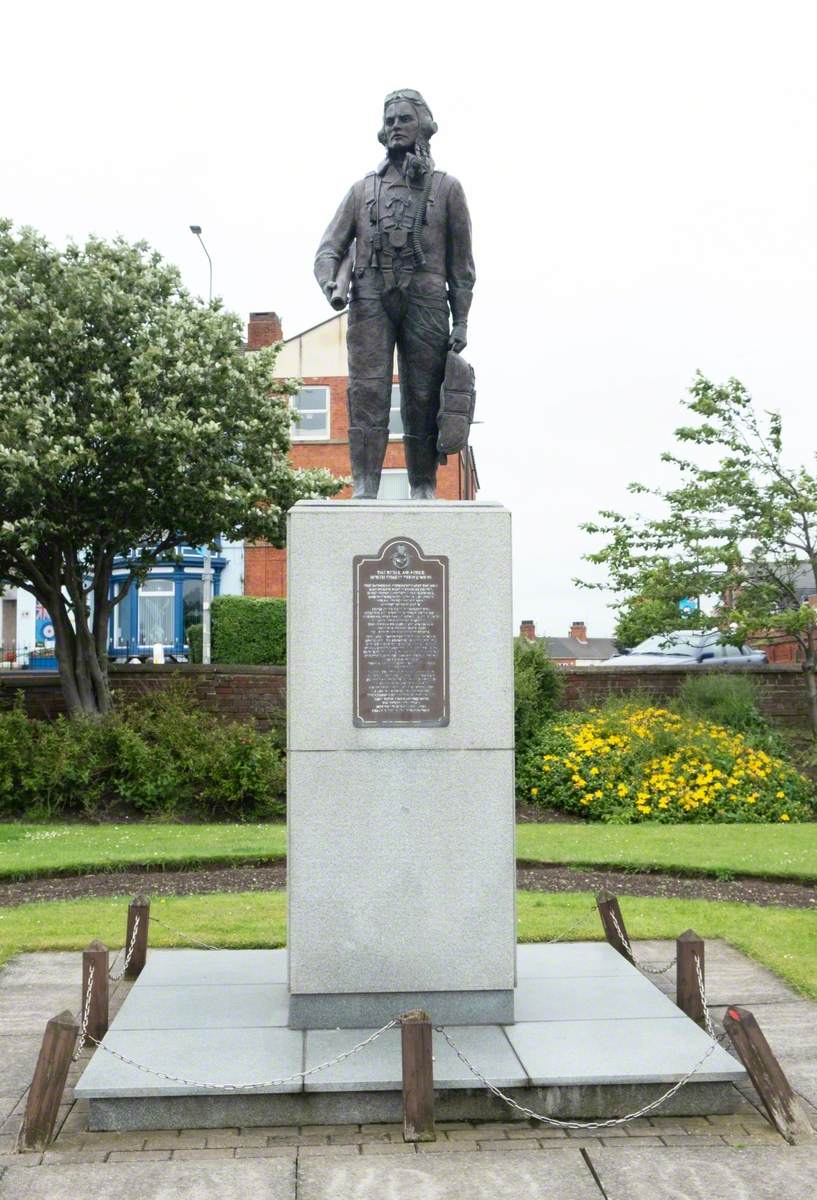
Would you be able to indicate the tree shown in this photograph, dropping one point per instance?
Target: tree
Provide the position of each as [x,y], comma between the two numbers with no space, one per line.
[132,423]
[740,527]
[647,613]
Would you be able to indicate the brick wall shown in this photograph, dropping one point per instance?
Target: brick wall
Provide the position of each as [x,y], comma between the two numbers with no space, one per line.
[242,692]
[235,693]
[781,690]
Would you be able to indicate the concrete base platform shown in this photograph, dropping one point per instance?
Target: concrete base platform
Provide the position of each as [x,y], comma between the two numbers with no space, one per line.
[593,1038]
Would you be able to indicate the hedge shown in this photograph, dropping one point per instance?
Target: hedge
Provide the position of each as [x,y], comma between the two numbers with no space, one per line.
[246,630]
[158,757]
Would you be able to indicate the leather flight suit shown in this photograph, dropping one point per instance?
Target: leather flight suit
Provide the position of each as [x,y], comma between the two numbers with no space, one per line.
[402,289]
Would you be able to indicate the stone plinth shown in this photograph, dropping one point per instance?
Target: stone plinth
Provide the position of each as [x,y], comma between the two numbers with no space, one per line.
[401,836]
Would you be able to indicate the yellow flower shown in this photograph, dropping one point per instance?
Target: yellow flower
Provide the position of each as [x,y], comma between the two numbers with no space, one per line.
[534,791]
[784,817]
[780,795]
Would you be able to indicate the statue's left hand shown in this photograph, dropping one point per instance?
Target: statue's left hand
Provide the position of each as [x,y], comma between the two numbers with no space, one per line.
[459,337]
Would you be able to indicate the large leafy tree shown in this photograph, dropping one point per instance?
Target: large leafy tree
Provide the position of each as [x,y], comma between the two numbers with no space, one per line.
[739,528]
[131,422]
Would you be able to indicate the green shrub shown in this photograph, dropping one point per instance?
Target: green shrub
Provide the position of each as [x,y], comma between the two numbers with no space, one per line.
[628,762]
[726,699]
[249,630]
[158,757]
[195,638]
[537,691]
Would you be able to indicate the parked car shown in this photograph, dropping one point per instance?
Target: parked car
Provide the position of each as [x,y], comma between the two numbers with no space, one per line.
[687,648]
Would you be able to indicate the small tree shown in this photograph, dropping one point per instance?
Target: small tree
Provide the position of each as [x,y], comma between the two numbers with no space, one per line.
[740,528]
[131,423]
[646,614]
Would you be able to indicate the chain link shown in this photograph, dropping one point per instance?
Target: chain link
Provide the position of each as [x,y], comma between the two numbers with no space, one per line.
[561,937]
[534,1116]
[86,1010]
[186,936]
[111,975]
[264,1083]
[647,968]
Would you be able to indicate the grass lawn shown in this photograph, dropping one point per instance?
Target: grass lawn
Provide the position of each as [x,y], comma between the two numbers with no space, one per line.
[774,851]
[30,850]
[783,939]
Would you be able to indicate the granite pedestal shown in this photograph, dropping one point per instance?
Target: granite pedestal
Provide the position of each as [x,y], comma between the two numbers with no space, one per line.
[401,835]
[592,1039]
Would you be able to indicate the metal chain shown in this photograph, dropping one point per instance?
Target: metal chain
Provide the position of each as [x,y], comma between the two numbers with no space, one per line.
[264,1083]
[647,968]
[84,1026]
[534,1116]
[641,1112]
[186,936]
[116,978]
[560,937]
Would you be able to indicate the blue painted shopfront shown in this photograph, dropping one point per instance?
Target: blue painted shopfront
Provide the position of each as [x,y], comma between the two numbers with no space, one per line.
[161,608]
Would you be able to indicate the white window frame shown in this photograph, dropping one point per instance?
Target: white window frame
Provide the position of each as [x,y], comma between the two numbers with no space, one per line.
[120,643]
[299,434]
[165,592]
[396,471]
[395,407]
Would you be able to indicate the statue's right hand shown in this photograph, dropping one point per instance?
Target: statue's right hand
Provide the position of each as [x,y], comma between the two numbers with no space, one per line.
[329,289]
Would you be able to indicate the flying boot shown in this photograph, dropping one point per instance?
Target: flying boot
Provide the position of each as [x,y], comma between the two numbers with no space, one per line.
[421,463]
[367,449]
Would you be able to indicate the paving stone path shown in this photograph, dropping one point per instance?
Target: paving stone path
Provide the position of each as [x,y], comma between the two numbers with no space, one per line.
[736,1157]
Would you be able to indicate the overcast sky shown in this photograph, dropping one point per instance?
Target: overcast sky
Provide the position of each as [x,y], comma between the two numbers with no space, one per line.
[642,180]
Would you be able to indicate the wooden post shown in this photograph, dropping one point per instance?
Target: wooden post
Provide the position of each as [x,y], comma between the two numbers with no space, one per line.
[48,1084]
[138,907]
[689,948]
[608,911]
[95,956]
[418,1077]
[783,1106]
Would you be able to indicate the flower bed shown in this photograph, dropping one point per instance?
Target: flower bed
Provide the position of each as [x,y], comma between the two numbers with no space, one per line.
[631,763]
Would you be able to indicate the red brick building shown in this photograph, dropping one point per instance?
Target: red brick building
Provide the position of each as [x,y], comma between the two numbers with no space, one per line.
[321,437]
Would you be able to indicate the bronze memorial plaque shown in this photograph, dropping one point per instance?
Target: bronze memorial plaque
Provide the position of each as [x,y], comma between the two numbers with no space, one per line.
[401,636]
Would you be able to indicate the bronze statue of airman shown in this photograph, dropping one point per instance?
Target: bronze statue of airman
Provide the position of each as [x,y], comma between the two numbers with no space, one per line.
[400,246]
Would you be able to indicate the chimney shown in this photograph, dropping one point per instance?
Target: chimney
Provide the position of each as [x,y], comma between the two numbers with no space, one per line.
[527,629]
[578,630]
[263,330]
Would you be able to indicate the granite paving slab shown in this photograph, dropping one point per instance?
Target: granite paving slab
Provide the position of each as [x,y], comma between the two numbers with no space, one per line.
[27,1008]
[569,960]
[18,1058]
[719,1173]
[484,1176]
[731,977]
[221,1056]
[651,1050]
[613,997]
[175,967]
[380,1064]
[219,1006]
[264,1179]
[45,968]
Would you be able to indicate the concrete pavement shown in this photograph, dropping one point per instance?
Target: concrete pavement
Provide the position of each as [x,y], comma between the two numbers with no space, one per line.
[678,1158]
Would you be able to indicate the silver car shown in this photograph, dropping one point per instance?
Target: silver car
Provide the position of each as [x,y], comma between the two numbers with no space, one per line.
[687,648]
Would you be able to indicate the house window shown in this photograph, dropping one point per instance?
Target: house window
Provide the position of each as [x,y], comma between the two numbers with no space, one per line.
[395,416]
[312,406]
[122,618]
[192,610]
[156,612]
[394,485]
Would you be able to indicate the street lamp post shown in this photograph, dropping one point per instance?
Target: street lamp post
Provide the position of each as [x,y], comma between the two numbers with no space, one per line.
[196,229]
[206,600]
